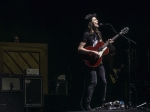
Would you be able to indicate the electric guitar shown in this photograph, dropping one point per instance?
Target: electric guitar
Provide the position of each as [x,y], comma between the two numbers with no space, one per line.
[92,61]
[116,71]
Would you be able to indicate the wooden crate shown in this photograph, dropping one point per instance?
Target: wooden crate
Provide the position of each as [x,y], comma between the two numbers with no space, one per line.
[15,58]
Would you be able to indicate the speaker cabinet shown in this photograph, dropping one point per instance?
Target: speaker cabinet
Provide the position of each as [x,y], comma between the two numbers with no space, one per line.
[62,88]
[11,83]
[33,91]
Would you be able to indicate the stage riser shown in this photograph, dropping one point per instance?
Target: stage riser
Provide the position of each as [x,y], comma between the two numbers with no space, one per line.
[67,103]
[112,111]
[11,102]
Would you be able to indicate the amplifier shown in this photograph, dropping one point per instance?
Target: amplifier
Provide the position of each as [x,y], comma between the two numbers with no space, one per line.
[33,91]
[32,71]
[11,83]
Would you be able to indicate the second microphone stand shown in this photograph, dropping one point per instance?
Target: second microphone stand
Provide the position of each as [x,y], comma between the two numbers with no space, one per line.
[129,63]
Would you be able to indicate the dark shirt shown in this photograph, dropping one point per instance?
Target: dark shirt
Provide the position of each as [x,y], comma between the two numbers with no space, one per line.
[90,40]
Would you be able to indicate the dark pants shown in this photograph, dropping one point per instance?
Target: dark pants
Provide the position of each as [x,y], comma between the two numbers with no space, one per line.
[93,77]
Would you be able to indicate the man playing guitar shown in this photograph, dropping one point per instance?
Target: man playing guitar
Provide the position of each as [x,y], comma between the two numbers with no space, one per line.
[96,73]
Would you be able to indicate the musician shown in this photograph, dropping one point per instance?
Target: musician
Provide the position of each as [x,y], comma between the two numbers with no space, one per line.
[94,74]
[16,38]
[108,62]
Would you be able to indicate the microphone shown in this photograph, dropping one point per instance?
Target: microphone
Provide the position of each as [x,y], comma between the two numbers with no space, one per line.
[103,24]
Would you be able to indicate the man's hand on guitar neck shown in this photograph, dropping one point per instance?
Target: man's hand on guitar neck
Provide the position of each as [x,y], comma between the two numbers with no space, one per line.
[110,41]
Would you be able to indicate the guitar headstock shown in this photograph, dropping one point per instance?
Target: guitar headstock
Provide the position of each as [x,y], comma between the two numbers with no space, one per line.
[124,31]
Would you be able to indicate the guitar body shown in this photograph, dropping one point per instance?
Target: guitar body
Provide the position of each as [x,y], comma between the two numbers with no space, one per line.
[91,60]
[116,71]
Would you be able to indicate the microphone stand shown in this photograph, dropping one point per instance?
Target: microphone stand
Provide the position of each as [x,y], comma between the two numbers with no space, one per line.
[129,63]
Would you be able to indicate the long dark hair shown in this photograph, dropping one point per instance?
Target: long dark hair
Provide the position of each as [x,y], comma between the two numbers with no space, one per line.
[91,28]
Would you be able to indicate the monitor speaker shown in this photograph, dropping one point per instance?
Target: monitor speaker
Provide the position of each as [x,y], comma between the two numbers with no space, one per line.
[33,91]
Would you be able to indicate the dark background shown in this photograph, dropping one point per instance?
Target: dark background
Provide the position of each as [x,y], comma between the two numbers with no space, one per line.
[61,24]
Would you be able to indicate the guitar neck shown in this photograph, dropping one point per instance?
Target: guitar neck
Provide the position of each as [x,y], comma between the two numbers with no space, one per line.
[125,30]
[120,68]
[106,44]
